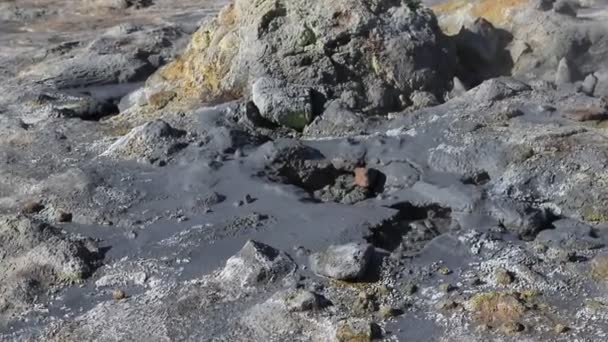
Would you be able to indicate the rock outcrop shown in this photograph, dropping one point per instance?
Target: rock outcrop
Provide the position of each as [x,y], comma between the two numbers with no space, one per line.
[540,34]
[368,56]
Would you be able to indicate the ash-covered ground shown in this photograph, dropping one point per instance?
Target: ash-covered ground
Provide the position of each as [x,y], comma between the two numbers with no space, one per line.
[303,170]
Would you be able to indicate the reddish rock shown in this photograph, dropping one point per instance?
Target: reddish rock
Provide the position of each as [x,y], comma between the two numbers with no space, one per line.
[365,177]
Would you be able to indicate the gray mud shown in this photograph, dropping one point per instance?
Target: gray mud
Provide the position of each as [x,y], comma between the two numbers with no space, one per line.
[132,210]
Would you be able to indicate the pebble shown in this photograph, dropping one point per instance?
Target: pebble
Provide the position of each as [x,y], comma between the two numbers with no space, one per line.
[119,294]
[446,304]
[503,277]
[248,199]
[447,288]
[301,251]
[131,235]
[387,311]
[410,289]
[512,327]
[32,207]
[444,270]
[560,329]
[63,217]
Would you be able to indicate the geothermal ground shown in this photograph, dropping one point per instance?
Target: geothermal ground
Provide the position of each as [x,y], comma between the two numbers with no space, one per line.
[303,170]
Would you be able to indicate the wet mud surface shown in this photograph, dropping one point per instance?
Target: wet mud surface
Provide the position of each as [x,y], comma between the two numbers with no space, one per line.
[133,210]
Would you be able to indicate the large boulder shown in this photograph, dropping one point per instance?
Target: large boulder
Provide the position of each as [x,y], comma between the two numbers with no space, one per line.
[370,55]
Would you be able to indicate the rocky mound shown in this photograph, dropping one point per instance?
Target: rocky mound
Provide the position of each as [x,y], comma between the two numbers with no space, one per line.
[293,57]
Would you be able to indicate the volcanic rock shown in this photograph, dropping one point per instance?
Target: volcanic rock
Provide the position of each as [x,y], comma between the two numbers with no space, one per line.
[344,262]
[374,54]
[256,264]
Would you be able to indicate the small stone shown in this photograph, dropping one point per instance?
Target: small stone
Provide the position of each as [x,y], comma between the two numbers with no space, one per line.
[364,304]
[540,248]
[256,264]
[594,305]
[131,235]
[599,267]
[121,4]
[564,73]
[566,7]
[161,99]
[476,281]
[354,330]
[383,291]
[511,112]
[344,262]
[458,88]
[386,312]
[447,287]
[561,255]
[560,329]
[119,294]
[423,99]
[589,84]
[503,277]
[446,304]
[301,251]
[410,289]
[587,114]
[248,199]
[512,327]
[302,300]
[444,270]
[32,207]
[528,295]
[238,203]
[544,5]
[63,217]
[496,309]
[546,108]
[518,49]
